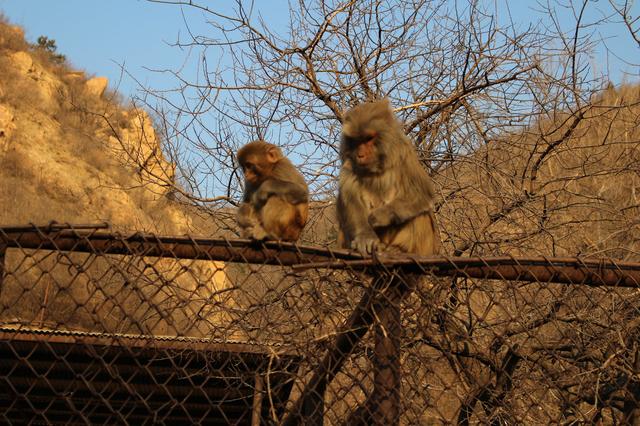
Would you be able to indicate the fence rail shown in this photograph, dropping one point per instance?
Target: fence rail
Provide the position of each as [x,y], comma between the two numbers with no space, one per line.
[100,327]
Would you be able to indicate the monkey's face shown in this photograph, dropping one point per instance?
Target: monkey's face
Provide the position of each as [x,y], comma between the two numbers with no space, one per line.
[363,151]
[257,160]
[254,171]
[364,136]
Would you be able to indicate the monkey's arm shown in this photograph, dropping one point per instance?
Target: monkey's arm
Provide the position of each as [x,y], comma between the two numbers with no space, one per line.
[249,223]
[352,214]
[292,192]
[415,197]
[399,211]
[246,216]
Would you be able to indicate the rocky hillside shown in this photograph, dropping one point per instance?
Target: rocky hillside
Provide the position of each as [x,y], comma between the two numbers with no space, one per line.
[72,151]
[566,185]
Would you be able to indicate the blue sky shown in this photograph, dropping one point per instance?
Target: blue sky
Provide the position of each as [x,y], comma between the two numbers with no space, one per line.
[100,36]
[103,36]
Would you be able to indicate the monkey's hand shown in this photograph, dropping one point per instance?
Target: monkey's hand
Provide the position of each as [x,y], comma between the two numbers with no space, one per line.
[256,232]
[382,217]
[260,197]
[247,232]
[365,243]
[246,217]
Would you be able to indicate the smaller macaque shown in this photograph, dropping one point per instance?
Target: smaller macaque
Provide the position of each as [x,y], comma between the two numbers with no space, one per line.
[275,204]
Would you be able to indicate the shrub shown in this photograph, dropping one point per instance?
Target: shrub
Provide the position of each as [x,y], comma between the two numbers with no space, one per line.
[48,45]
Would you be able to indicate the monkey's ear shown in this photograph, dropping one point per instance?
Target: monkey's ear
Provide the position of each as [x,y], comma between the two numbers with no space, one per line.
[273,154]
[347,128]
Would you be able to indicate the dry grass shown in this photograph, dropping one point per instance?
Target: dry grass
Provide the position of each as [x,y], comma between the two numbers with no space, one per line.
[581,198]
[10,37]
[16,91]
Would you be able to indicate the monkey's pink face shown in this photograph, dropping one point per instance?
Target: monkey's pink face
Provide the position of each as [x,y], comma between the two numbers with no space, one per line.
[253,172]
[365,152]
[250,176]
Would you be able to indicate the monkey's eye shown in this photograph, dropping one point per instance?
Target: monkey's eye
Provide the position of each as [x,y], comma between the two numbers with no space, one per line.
[369,136]
[354,141]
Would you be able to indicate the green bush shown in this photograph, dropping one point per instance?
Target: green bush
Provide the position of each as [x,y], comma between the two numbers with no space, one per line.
[49,45]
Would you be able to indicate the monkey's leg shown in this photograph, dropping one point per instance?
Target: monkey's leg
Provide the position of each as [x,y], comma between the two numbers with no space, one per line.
[279,219]
[302,214]
[420,236]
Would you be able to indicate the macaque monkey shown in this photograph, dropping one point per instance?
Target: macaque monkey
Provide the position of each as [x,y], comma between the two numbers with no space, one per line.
[385,197]
[275,204]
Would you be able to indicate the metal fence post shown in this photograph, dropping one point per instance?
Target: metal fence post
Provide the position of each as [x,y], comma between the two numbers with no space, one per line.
[386,360]
[382,406]
[352,331]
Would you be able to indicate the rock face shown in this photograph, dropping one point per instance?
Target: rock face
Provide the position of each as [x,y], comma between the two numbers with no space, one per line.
[97,85]
[7,126]
[137,142]
[70,155]
[47,85]
[12,34]
[64,158]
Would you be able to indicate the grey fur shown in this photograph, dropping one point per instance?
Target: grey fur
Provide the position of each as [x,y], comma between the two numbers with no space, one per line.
[387,194]
[292,192]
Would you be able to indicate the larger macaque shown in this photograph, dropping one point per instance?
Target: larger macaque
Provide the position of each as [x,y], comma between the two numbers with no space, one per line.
[275,203]
[385,197]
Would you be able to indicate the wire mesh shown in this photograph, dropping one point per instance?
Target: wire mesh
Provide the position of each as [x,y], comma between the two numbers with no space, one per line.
[98,327]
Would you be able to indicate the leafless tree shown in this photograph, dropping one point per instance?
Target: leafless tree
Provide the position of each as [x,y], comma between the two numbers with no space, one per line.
[532,148]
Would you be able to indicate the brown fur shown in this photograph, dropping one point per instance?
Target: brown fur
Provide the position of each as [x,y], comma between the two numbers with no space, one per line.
[283,219]
[275,202]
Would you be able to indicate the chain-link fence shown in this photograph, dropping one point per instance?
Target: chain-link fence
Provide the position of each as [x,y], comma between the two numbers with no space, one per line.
[98,327]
